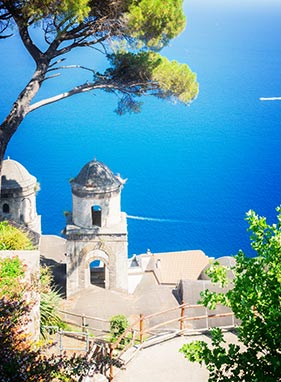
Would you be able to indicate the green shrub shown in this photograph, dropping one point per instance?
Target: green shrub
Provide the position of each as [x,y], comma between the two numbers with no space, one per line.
[118,325]
[20,360]
[49,303]
[11,271]
[12,238]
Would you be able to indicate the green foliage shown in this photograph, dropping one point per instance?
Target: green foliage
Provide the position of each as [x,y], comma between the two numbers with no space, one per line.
[11,268]
[12,238]
[118,325]
[195,351]
[255,301]
[210,299]
[137,28]
[75,10]
[156,21]
[176,81]
[153,21]
[149,71]
[19,361]
[218,273]
[50,301]
[221,361]
[11,271]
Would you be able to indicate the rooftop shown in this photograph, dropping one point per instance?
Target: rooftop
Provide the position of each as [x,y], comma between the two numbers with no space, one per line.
[170,267]
[15,175]
[95,176]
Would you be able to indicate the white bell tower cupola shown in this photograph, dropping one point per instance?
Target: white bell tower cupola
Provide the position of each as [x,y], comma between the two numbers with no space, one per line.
[96,196]
[18,196]
[96,231]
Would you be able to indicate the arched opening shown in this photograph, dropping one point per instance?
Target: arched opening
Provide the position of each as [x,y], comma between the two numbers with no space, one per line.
[96,268]
[97,273]
[96,215]
[6,208]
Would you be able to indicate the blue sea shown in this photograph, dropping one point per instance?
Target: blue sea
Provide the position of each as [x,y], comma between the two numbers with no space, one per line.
[193,172]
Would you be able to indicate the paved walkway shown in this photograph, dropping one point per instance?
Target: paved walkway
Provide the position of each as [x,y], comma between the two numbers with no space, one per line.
[164,363]
[148,298]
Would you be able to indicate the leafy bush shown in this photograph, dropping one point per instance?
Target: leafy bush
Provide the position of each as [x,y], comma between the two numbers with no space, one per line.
[11,271]
[255,301]
[12,238]
[49,302]
[118,325]
[19,361]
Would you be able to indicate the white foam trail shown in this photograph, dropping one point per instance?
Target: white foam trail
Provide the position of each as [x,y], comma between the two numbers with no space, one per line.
[270,98]
[154,219]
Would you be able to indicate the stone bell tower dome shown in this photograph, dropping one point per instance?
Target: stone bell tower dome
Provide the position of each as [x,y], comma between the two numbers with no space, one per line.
[96,196]
[96,231]
[18,195]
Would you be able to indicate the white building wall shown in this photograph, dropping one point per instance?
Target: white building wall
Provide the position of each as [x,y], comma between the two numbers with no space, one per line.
[82,209]
[112,213]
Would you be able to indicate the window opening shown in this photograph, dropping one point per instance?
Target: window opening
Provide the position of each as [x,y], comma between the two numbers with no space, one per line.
[6,208]
[96,215]
[134,262]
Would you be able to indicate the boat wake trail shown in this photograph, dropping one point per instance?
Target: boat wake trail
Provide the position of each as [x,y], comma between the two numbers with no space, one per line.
[160,220]
[270,98]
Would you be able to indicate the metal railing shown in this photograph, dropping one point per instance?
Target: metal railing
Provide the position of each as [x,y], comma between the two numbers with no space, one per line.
[95,325]
[59,337]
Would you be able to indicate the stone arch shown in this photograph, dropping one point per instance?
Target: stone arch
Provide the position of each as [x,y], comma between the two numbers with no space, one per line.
[95,246]
[97,275]
[91,253]
[96,254]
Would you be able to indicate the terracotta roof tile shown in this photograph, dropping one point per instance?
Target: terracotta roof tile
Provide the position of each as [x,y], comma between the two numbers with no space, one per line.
[171,267]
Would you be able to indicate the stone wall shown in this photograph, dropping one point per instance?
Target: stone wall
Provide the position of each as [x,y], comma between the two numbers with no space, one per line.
[111,251]
[109,202]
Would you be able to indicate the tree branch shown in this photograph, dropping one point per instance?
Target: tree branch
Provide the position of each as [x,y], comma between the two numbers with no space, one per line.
[55,63]
[32,49]
[80,44]
[125,88]
[72,67]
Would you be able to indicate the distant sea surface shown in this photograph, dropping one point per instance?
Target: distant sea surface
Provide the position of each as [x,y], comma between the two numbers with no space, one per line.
[193,172]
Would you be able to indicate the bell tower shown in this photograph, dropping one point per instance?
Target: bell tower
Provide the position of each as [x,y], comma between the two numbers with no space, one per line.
[18,196]
[96,231]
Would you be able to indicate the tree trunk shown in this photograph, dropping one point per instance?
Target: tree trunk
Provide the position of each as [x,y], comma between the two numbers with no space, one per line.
[20,109]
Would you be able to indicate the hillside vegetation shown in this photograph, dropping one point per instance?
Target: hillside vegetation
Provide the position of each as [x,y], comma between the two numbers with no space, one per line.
[12,238]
